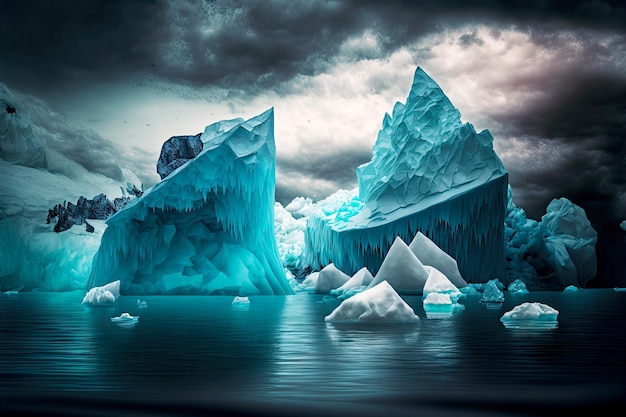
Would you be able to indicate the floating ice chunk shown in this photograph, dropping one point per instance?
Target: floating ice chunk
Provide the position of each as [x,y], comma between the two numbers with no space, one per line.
[437,302]
[125,319]
[356,284]
[362,277]
[104,295]
[531,315]
[492,292]
[241,303]
[437,282]
[619,289]
[141,304]
[402,270]
[11,292]
[378,304]
[430,254]
[623,225]
[330,278]
[517,287]
[571,288]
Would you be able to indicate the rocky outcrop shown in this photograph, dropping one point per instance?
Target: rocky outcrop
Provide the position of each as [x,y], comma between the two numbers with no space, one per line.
[176,151]
[99,208]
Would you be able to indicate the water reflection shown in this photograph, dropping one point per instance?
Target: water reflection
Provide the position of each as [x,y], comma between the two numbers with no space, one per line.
[531,324]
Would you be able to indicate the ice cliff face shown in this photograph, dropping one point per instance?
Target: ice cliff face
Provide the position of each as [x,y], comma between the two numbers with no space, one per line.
[431,173]
[208,227]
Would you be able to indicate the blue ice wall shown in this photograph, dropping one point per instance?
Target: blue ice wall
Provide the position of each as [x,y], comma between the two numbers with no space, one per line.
[207,228]
[430,172]
[469,227]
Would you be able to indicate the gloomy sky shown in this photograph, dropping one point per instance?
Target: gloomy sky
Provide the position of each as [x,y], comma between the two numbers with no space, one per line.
[547,78]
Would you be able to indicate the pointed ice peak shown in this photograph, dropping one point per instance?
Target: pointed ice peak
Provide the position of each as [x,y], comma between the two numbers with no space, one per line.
[330,278]
[362,277]
[401,269]
[236,133]
[378,304]
[430,254]
[427,97]
[425,150]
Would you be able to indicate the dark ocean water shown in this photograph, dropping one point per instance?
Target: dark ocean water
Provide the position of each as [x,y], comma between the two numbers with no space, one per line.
[196,355]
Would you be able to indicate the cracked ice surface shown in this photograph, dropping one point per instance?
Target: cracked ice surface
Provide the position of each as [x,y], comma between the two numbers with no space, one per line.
[208,228]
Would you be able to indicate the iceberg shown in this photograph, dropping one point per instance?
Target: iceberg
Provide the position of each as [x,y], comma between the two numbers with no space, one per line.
[402,270]
[437,282]
[431,173]
[440,304]
[492,292]
[330,278]
[362,278]
[531,315]
[517,287]
[240,303]
[430,254]
[379,304]
[206,228]
[556,252]
[125,320]
[103,296]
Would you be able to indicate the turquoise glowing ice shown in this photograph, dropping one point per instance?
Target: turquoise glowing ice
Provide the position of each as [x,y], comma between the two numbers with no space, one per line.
[208,228]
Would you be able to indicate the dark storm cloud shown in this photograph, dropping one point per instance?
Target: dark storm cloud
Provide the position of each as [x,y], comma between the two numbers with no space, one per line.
[82,145]
[582,114]
[247,45]
[50,42]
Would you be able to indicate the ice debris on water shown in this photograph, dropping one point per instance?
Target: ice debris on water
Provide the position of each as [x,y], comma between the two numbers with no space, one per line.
[125,319]
[240,303]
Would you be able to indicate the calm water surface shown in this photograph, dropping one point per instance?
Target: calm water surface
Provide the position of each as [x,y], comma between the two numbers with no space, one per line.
[197,355]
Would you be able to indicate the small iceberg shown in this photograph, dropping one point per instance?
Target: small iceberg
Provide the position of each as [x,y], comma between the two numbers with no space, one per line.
[440,305]
[571,288]
[125,319]
[531,315]
[105,295]
[517,287]
[241,303]
[141,304]
[379,304]
[11,293]
[492,292]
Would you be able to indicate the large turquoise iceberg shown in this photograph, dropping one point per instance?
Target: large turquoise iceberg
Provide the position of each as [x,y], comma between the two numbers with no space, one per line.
[206,228]
[429,173]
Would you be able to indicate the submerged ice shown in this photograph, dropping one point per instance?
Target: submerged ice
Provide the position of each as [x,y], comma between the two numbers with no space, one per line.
[206,228]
